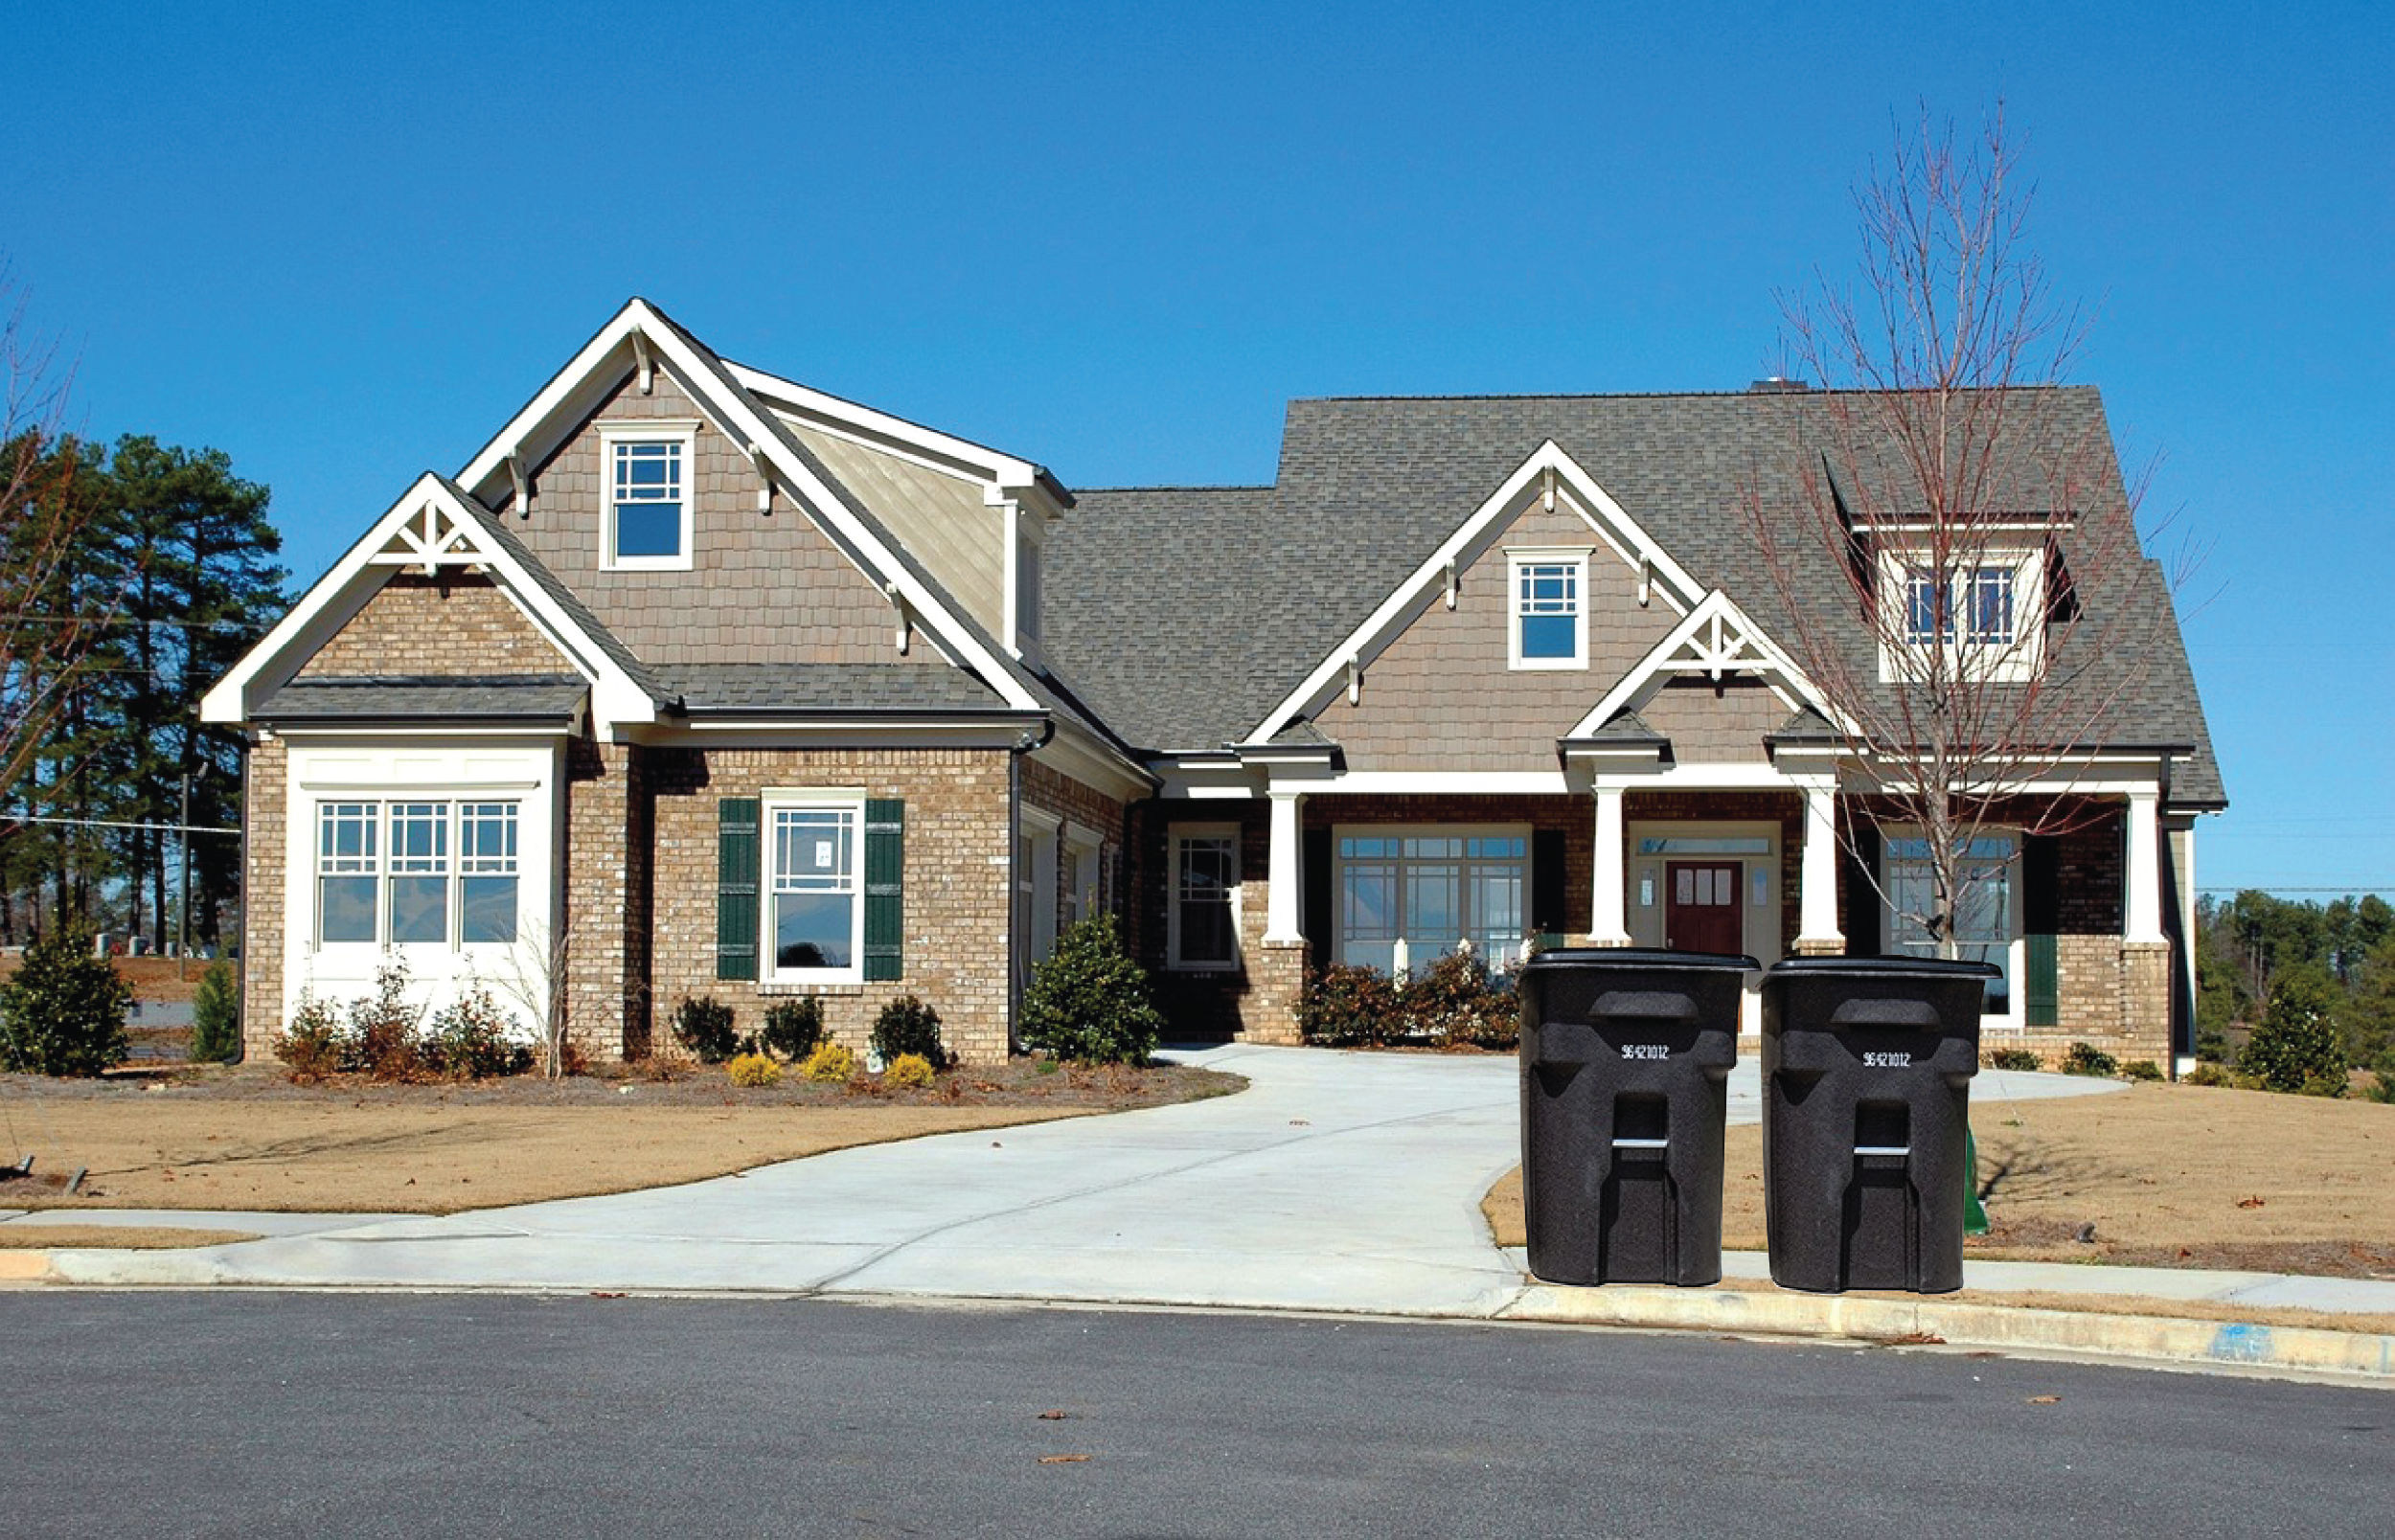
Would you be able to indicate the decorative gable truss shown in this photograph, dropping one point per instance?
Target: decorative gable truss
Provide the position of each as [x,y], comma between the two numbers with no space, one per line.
[430,527]
[1549,478]
[1713,641]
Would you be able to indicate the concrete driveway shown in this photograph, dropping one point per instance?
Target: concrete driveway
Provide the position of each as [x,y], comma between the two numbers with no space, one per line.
[1341,1181]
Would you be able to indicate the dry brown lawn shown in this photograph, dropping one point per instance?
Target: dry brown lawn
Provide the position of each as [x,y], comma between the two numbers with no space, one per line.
[247,1139]
[2167,1175]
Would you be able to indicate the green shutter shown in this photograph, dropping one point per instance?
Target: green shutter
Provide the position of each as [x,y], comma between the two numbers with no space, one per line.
[885,873]
[2041,913]
[737,921]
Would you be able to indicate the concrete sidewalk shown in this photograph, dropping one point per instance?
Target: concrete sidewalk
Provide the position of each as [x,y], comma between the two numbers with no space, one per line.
[1338,1182]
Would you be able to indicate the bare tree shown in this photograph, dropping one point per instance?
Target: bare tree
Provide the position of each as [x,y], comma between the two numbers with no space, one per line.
[50,617]
[1951,541]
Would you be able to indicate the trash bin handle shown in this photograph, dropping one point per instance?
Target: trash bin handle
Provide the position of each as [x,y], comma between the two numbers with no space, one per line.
[1886,1013]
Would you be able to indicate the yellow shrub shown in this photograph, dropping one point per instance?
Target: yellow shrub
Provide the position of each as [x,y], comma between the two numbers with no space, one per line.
[753,1068]
[908,1069]
[829,1063]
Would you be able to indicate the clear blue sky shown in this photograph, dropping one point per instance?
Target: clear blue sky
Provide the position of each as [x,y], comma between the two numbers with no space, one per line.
[344,243]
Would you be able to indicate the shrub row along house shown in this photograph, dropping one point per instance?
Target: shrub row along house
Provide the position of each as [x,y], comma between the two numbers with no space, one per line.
[699,681]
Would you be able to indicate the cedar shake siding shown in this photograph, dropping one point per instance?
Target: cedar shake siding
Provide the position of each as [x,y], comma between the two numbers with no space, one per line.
[1442,695]
[1716,724]
[762,587]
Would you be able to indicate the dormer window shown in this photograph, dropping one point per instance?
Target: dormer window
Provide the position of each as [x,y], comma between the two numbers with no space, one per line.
[1981,616]
[645,477]
[1549,623]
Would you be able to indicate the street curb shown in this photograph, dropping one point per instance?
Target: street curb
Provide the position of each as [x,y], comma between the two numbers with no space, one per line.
[2212,1343]
[27,1266]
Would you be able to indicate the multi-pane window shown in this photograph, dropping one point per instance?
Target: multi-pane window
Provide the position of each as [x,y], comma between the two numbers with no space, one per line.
[417,871]
[1984,921]
[1435,890]
[1973,604]
[647,498]
[1547,612]
[1205,873]
[818,910]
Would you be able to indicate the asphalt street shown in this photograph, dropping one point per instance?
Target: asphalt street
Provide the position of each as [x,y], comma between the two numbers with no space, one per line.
[369,1415]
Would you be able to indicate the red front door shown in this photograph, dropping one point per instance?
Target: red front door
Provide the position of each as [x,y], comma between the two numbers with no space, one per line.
[1700,911]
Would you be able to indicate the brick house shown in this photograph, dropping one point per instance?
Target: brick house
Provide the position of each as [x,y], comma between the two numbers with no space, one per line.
[699,681]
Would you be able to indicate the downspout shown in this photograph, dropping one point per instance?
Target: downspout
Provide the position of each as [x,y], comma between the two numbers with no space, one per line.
[1030,741]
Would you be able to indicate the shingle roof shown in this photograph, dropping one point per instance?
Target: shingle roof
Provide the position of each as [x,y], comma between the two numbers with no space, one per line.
[1186,615]
[494,697]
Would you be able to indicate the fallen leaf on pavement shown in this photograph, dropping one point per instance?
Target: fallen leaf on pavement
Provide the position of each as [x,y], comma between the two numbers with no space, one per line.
[2042,1401]
[1053,1416]
[2250,1203]
[1064,1460]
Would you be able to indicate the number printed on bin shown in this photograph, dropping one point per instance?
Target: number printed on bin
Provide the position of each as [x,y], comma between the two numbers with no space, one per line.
[1887,1061]
[1646,1050]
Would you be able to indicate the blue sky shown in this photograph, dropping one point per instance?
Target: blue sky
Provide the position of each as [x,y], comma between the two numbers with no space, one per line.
[344,243]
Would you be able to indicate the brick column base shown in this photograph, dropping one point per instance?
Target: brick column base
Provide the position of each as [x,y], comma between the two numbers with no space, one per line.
[2146,999]
[1613,942]
[1808,947]
[1269,1012]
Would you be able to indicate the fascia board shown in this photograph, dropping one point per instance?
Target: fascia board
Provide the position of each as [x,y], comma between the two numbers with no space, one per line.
[1468,536]
[1715,605]
[581,376]
[991,464]
[1077,753]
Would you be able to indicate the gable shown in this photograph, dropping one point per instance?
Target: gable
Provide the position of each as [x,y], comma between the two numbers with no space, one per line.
[1442,695]
[763,586]
[940,516]
[453,624]
[1721,723]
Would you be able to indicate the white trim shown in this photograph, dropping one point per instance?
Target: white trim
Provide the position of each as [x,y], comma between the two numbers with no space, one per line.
[880,430]
[1516,560]
[1716,637]
[746,421]
[336,598]
[2018,660]
[1548,466]
[851,806]
[1432,947]
[683,434]
[1461,783]
[1177,837]
[2014,1016]
[1759,925]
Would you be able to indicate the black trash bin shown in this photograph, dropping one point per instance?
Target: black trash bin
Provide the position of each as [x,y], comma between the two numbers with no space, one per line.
[1624,1055]
[1866,1085]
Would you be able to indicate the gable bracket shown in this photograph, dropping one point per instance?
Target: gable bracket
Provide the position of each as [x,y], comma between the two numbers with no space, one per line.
[520,473]
[1451,582]
[765,476]
[905,617]
[647,364]
[429,540]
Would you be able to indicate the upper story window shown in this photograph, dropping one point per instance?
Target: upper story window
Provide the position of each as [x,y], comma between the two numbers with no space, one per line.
[1979,618]
[646,483]
[1548,627]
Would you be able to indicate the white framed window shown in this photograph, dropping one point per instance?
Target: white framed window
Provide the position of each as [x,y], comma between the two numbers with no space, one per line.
[646,474]
[1082,847]
[390,872]
[1547,623]
[1981,617]
[1434,888]
[1988,924]
[814,913]
[1204,911]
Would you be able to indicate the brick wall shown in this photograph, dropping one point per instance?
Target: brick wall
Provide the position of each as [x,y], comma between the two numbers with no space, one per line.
[452,624]
[599,957]
[957,885]
[1052,792]
[265,808]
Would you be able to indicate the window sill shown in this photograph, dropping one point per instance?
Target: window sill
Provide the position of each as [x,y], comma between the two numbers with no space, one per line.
[835,989]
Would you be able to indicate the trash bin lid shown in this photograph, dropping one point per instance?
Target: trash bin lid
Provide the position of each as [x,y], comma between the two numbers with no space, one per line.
[1884,968]
[1643,958]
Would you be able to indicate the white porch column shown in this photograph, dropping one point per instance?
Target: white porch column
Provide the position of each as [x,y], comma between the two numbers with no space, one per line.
[1817,929]
[2141,900]
[1607,926]
[1281,925]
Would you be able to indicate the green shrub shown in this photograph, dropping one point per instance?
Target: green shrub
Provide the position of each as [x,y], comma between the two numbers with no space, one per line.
[63,1013]
[2086,1058]
[1458,1000]
[2142,1070]
[2382,1087]
[472,1038]
[792,1029]
[311,1041]
[704,1027]
[1089,1002]
[1348,1005]
[830,1064]
[909,1070]
[2209,1074]
[2014,1058]
[217,1016]
[753,1070]
[908,1026]
[2296,1046]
